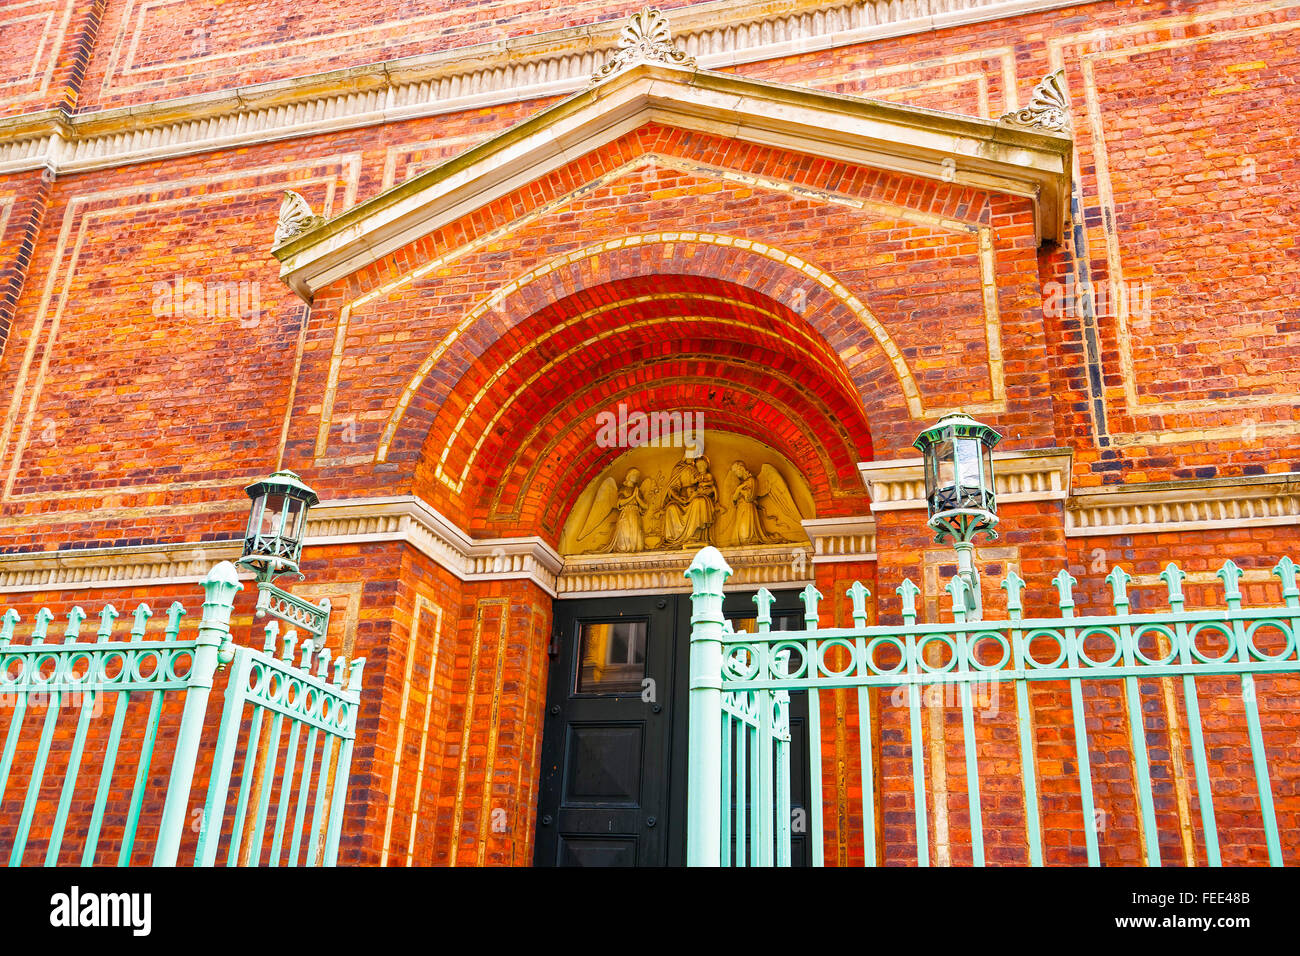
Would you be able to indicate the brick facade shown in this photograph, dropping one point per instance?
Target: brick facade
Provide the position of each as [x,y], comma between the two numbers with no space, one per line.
[826,308]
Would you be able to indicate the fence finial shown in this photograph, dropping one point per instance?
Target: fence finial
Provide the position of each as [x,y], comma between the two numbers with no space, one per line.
[142,614]
[1065,588]
[272,632]
[708,572]
[43,618]
[1013,584]
[73,631]
[290,639]
[323,662]
[858,594]
[1118,580]
[908,592]
[956,589]
[308,650]
[1230,575]
[763,617]
[1286,573]
[7,625]
[174,615]
[810,596]
[106,618]
[339,663]
[354,673]
[1173,576]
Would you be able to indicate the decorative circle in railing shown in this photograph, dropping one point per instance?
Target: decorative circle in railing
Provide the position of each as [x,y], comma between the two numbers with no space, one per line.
[1216,629]
[798,663]
[1163,630]
[741,661]
[1037,634]
[983,639]
[178,666]
[145,664]
[79,668]
[1081,645]
[1256,629]
[825,668]
[45,669]
[942,667]
[12,670]
[875,666]
[112,666]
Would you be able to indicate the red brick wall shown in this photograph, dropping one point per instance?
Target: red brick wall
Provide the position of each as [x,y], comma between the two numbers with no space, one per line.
[126,422]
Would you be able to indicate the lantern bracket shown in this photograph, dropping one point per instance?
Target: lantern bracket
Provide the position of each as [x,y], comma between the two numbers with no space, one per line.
[961,525]
[292,610]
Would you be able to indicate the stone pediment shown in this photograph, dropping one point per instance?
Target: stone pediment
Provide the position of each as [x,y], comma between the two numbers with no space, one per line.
[999,155]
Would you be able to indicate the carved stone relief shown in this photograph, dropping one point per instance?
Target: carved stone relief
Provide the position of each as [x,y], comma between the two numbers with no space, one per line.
[736,494]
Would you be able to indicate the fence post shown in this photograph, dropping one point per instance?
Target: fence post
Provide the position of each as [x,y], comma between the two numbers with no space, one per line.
[220,587]
[708,572]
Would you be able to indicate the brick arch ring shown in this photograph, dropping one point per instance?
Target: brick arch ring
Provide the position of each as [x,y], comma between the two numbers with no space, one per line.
[557,268]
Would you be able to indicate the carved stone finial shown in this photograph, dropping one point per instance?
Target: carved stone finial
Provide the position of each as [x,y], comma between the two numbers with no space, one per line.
[645,37]
[1048,107]
[296,218]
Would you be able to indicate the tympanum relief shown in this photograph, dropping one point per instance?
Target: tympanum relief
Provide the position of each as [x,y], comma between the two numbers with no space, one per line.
[735,494]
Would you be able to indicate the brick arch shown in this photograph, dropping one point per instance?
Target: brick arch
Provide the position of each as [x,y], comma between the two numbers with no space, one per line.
[859,348]
[514,443]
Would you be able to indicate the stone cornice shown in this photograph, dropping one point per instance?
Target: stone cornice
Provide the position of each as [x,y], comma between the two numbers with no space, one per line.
[842,539]
[405,519]
[1248,502]
[1033,475]
[556,63]
[1025,476]
[661,572]
[985,154]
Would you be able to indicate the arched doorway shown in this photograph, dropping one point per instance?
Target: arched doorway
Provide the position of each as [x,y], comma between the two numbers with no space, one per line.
[646,388]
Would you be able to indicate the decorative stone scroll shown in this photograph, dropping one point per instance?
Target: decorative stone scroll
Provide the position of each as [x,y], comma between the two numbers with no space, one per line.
[646,37]
[1048,107]
[296,218]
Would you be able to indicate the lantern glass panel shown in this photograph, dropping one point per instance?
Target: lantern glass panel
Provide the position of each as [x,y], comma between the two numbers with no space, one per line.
[272,515]
[255,517]
[969,460]
[988,476]
[943,472]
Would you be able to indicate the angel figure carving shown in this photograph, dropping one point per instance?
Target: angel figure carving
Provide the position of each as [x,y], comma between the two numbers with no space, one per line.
[623,506]
[762,509]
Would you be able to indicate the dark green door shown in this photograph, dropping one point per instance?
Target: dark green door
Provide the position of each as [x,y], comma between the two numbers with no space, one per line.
[614,746]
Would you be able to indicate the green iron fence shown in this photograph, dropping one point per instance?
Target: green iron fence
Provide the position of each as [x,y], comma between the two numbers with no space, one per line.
[268,701]
[750,674]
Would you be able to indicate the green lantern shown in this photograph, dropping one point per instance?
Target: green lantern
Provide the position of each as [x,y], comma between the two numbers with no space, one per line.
[958,454]
[960,494]
[277,520]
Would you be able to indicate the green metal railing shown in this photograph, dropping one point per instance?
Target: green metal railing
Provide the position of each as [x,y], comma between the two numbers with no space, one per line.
[727,667]
[85,680]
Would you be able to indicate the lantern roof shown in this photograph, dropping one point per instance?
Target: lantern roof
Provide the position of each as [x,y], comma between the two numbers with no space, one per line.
[956,425]
[285,482]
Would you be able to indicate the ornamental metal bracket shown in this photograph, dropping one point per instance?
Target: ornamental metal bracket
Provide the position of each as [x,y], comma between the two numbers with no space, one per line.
[1048,108]
[645,38]
[294,611]
[296,218]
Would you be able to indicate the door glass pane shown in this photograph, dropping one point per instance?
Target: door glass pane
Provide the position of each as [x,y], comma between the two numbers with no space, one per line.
[611,657]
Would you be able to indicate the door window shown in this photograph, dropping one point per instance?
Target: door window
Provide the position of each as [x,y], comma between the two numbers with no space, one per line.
[611,657]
